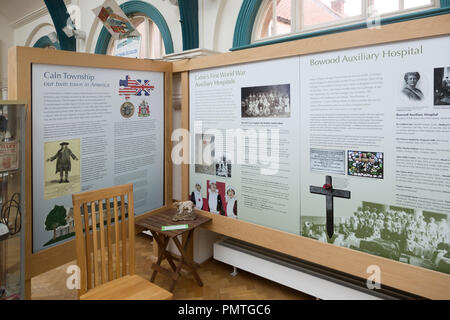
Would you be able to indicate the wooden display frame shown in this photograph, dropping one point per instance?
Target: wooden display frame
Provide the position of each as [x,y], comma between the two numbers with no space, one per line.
[20,87]
[418,281]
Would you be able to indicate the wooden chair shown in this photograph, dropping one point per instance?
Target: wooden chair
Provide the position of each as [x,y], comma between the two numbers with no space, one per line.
[100,222]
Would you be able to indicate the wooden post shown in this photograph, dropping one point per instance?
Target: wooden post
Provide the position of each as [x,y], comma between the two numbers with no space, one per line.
[185,125]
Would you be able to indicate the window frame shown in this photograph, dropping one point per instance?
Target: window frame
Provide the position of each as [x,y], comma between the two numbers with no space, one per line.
[297,27]
[46,43]
[137,7]
[150,26]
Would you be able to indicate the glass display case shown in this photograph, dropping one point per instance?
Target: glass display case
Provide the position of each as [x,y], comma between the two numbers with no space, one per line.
[12,194]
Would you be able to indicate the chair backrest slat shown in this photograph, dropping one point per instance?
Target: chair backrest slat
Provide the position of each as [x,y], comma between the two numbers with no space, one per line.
[116,229]
[95,243]
[91,236]
[102,241]
[131,232]
[88,246]
[108,226]
[124,236]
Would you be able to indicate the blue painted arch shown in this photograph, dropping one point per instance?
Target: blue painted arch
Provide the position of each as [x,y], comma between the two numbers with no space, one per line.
[133,7]
[245,21]
[60,17]
[189,23]
[44,42]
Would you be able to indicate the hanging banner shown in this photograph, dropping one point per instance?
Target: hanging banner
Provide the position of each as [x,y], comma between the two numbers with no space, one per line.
[115,20]
[129,48]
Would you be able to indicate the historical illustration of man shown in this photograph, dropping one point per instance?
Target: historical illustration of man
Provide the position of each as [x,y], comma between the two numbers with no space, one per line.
[410,90]
[63,161]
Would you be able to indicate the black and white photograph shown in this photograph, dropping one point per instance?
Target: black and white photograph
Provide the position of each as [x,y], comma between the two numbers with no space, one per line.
[223,167]
[442,86]
[266,101]
[205,154]
[413,87]
[416,237]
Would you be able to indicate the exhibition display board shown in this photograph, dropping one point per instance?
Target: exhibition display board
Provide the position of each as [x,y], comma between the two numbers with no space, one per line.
[93,122]
[93,128]
[348,147]
[249,180]
[331,149]
[348,114]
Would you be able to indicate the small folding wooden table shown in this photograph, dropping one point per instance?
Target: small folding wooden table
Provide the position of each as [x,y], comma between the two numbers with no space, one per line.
[155,224]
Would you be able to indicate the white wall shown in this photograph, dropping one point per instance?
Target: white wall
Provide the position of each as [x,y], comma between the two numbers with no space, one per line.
[28,34]
[6,41]
[217,19]
[224,24]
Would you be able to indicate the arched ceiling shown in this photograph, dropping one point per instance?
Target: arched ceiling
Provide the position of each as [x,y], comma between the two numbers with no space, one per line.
[13,10]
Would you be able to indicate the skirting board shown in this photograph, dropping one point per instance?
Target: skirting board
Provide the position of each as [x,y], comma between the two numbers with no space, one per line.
[281,273]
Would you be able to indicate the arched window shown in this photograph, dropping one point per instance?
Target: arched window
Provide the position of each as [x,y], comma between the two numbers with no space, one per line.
[45,42]
[155,40]
[278,18]
[149,45]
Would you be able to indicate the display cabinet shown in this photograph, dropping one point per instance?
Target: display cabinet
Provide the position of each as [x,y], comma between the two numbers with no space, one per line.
[12,188]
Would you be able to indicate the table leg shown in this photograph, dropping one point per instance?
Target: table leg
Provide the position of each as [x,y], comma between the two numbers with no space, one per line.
[166,254]
[162,244]
[185,259]
[170,259]
[176,275]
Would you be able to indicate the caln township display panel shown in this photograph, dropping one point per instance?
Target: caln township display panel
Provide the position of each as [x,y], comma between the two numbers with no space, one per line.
[348,147]
[93,128]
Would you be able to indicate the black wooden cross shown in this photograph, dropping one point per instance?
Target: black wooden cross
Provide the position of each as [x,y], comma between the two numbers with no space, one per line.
[328,191]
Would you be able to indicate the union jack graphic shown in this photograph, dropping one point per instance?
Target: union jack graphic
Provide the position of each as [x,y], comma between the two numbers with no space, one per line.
[131,87]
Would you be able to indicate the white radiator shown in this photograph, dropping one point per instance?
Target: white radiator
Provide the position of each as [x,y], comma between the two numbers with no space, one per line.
[287,272]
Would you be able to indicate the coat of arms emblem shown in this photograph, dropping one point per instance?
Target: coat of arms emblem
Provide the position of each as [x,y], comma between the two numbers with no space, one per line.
[144,109]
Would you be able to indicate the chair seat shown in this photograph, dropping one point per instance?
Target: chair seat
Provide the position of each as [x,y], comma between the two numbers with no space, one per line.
[127,288]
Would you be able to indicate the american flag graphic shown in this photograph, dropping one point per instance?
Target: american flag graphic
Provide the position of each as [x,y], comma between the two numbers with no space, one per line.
[131,87]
